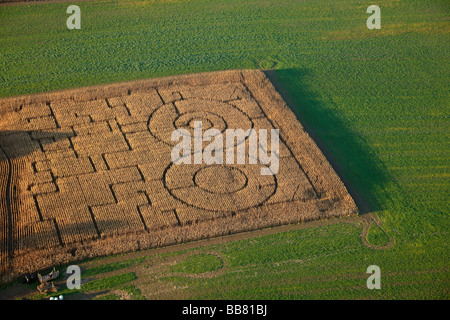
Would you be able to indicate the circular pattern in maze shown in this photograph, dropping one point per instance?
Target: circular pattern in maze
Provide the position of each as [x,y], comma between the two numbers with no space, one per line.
[220,179]
[182,115]
[227,188]
[209,120]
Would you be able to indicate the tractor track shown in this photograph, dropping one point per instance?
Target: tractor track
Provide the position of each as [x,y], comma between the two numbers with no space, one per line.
[9,224]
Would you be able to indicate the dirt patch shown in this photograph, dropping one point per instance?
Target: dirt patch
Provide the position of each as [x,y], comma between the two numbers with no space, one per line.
[96,175]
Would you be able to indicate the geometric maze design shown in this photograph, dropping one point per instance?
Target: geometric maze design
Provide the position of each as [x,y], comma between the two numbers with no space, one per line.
[88,171]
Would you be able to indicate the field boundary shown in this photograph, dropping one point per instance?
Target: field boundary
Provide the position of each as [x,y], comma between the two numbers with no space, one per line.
[196,244]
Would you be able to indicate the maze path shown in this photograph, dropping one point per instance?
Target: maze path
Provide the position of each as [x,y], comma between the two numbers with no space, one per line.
[96,175]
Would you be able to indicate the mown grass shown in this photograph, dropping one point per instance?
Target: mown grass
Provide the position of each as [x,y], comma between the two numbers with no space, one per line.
[103,268]
[109,282]
[376,236]
[319,263]
[378,100]
[198,263]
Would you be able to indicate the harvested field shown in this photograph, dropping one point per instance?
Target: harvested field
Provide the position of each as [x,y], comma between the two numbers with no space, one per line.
[88,172]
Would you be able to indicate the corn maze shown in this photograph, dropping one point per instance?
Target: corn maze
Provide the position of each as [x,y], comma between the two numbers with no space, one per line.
[88,172]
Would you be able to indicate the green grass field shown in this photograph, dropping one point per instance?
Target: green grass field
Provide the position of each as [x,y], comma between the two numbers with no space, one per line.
[377,99]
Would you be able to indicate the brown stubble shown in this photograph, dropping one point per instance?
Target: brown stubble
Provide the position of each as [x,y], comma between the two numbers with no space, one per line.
[94,174]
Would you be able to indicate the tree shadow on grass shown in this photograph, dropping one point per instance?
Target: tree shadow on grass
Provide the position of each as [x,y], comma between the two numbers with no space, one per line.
[346,151]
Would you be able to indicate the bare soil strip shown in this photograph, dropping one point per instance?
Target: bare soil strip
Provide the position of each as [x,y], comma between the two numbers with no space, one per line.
[95,176]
